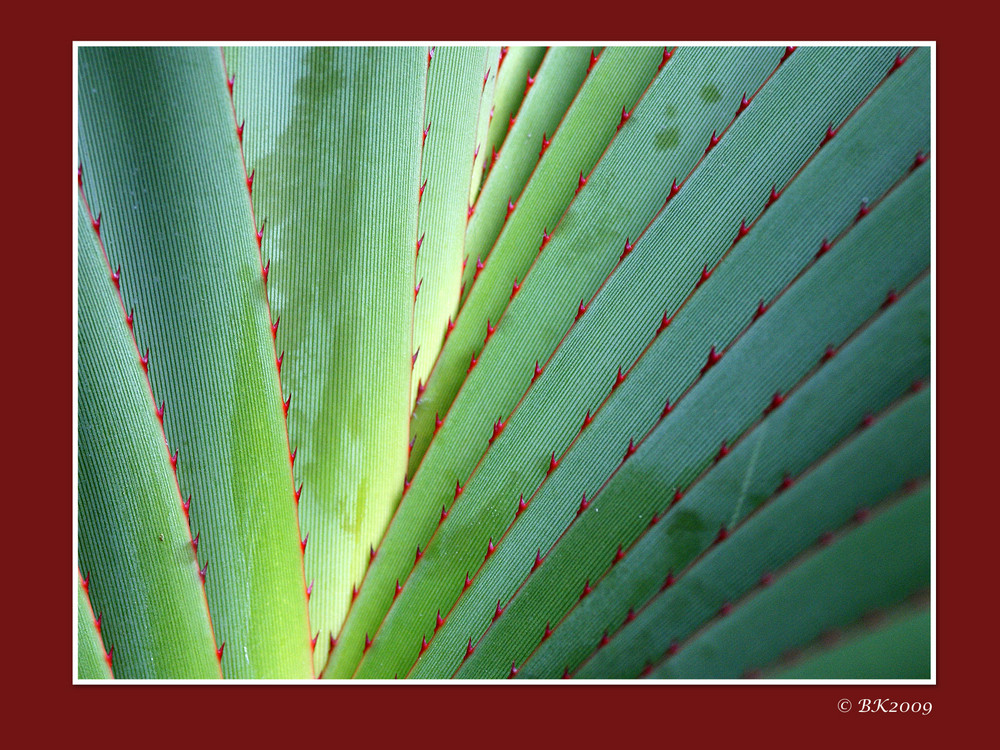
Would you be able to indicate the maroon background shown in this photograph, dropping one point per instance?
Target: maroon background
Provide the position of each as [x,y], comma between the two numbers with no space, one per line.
[38,608]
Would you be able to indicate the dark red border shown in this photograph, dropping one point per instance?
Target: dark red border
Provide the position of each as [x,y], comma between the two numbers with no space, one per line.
[39,101]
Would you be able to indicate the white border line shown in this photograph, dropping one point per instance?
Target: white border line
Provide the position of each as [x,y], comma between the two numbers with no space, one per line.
[486,682]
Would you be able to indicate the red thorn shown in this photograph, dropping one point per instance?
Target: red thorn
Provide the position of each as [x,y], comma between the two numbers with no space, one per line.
[741,232]
[725,609]
[862,211]
[825,539]
[298,494]
[713,358]
[96,224]
[786,482]
[458,489]
[420,388]
[672,648]
[489,330]
[430,55]
[413,359]
[618,556]
[116,277]
[86,583]
[722,535]
[586,589]
[548,632]
[765,580]
[486,77]
[830,133]
[279,360]
[668,581]
[493,156]
[629,451]
[266,270]
[79,175]
[423,646]
[654,520]
[497,429]
[444,515]
[580,183]
[110,656]
[538,561]
[399,590]
[619,379]
[186,506]
[626,251]
[761,309]
[312,641]
[667,54]
[604,640]
[630,615]
[173,461]
[744,103]
[538,371]
[896,64]
[98,621]
[291,458]
[420,242]
[530,81]
[333,642]
[861,515]
[773,196]
[566,675]
[674,189]
[194,542]
[409,446]
[274,327]
[705,276]
[512,120]
[515,289]
[231,82]
[664,323]
[309,590]
[712,142]
[287,403]
[552,464]
[625,115]
[479,268]
[418,555]
[498,612]
[437,423]
[468,582]
[250,181]
[426,131]
[586,421]
[203,571]
[159,411]
[489,549]
[521,505]
[305,541]
[666,409]
[584,504]
[723,452]
[919,159]
[916,386]
[368,644]
[545,239]
[828,354]
[580,311]
[776,400]
[546,142]
[239,131]
[260,234]
[510,208]
[503,54]
[469,650]
[788,53]
[868,420]
[593,59]
[450,328]
[438,622]
[677,497]
[130,318]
